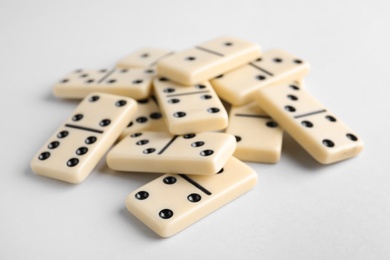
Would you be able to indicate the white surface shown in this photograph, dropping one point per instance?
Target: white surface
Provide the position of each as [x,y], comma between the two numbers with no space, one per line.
[298,210]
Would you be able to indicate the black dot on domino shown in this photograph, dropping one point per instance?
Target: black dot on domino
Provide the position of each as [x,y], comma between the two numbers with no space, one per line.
[189,136]
[352,137]
[219,76]
[331,118]
[155,115]
[206,152]
[105,122]
[124,70]
[94,98]
[260,77]
[43,156]
[130,124]
[90,140]
[179,114]
[173,101]
[194,197]
[289,108]
[89,81]
[82,150]
[197,144]
[53,145]
[72,162]
[213,110]
[62,134]
[294,87]
[166,214]
[169,90]
[298,61]
[145,55]
[259,59]
[169,180]
[78,71]
[307,124]
[271,124]
[111,81]
[292,97]
[141,195]
[205,97]
[83,75]
[149,71]
[200,86]
[64,81]
[102,70]
[163,79]
[278,60]
[120,103]
[220,171]
[190,58]
[328,143]
[137,81]
[149,151]
[228,43]
[141,119]
[77,117]
[238,138]
[142,142]
[135,135]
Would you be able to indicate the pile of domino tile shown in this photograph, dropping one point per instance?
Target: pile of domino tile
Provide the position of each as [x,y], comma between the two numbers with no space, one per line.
[161,111]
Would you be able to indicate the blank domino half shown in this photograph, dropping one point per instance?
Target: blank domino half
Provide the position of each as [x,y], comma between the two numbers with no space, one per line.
[203,153]
[143,58]
[134,83]
[208,60]
[190,109]
[82,140]
[274,67]
[259,138]
[147,118]
[173,202]
[314,127]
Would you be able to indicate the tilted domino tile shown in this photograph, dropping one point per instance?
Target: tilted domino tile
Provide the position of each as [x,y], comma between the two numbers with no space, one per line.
[173,202]
[134,83]
[314,127]
[259,138]
[143,58]
[147,118]
[203,153]
[208,60]
[274,67]
[78,144]
[190,109]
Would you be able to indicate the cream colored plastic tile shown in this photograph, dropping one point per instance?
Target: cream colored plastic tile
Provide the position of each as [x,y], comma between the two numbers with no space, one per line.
[208,60]
[190,109]
[203,153]
[259,138]
[78,144]
[172,202]
[143,58]
[314,127]
[134,83]
[274,67]
[147,118]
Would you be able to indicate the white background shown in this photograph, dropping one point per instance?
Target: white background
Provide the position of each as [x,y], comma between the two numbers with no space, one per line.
[299,209]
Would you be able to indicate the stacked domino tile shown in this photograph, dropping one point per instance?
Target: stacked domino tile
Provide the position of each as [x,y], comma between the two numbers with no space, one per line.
[182,128]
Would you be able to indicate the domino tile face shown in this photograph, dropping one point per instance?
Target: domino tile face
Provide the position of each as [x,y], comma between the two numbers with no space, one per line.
[203,153]
[134,83]
[314,127]
[173,202]
[208,60]
[79,143]
[143,58]
[238,87]
[190,109]
[258,136]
